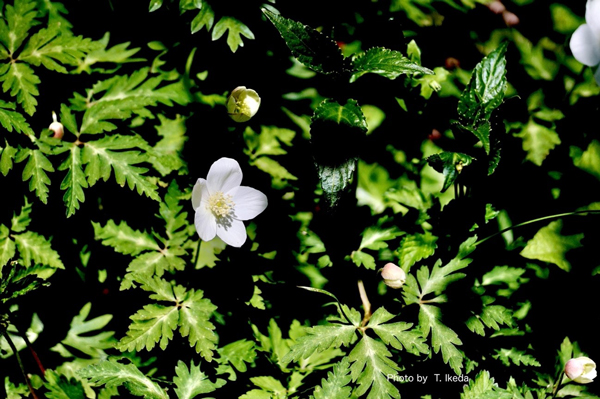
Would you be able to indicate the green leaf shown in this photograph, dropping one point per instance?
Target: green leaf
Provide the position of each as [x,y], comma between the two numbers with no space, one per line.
[11,119]
[20,222]
[35,171]
[484,387]
[166,154]
[442,337]
[549,245]
[55,48]
[538,141]
[485,90]
[123,238]
[35,249]
[492,317]
[194,323]
[235,355]
[310,47]
[204,18]
[17,280]
[387,63]
[340,127]
[100,155]
[396,334]
[374,238]
[117,54]
[588,160]
[335,386]
[15,25]
[7,155]
[415,247]
[22,82]
[236,31]
[371,365]
[74,182]
[7,246]
[515,356]
[152,324]
[155,5]
[115,374]
[450,164]
[320,338]
[62,387]
[80,338]
[192,382]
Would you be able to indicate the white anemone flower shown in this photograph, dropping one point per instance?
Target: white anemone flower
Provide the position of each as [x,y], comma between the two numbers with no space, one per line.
[221,204]
[581,369]
[585,42]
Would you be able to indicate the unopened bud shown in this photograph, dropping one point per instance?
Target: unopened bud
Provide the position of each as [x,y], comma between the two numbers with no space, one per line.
[393,276]
[581,370]
[56,127]
[242,104]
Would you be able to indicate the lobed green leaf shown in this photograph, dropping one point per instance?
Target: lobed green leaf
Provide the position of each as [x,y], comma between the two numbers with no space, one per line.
[385,62]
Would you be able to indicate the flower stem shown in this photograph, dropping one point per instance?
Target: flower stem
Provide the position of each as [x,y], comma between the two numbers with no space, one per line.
[14,349]
[556,216]
[366,304]
[33,353]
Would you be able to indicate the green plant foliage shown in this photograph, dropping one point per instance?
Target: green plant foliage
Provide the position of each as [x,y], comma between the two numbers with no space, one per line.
[588,160]
[335,386]
[413,248]
[310,47]
[549,245]
[234,356]
[515,356]
[450,164]
[187,311]
[192,382]
[236,31]
[114,374]
[373,238]
[384,62]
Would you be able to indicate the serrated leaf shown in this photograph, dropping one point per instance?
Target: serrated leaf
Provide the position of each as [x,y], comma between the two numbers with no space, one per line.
[35,249]
[7,155]
[588,160]
[151,325]
[415,247]
[118,54]
[492,317]
[515,356]
[123,238]
[20,222]
[538,141]
[450,164]
[166,154]
[236,31]
[320,338]
[74,181]
[62,387]
[484,387]
[549,245]
[102,155]
[335,386]
[194,323]
[114,374]
[192,382]
[387,63]
[442,337]
[310,47]
[22,82]
[371,365]
[7,246]
[35,171]
[485,90]
[13,120]
[204,18]
[235,354]
[397,334]
[17,21]
[17,280]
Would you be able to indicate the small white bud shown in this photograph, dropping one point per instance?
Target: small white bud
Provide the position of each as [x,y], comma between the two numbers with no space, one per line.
[56,127]
[581,370]
[393,276]
[242,104]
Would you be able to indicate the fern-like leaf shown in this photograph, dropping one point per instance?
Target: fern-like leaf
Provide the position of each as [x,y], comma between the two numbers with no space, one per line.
[191,382]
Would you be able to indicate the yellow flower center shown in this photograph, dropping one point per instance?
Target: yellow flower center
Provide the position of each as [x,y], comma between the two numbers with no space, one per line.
[221,205]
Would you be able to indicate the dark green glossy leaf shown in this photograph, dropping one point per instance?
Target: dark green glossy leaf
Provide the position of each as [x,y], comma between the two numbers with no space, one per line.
[450,164]
[384,62]
[310,47]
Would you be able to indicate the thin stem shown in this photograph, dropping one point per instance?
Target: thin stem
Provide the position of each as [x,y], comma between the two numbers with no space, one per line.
[33,352]
[366,304]
[555,387]
[556,216]
[14,349]
[197,253]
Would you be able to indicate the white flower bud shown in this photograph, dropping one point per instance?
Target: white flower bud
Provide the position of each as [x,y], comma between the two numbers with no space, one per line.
[242,104]
[393,276]
[581,370]
[56,127]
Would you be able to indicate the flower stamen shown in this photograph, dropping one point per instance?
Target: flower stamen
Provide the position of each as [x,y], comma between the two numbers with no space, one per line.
[221,205]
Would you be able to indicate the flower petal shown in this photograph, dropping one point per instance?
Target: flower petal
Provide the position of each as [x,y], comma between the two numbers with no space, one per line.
[200,191]
[224,175]
[206,224]
[597,76]
[248,201]
[592,15]
[233,233]
[584,45]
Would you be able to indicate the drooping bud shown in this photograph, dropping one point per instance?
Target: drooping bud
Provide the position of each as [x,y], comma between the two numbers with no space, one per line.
[581,369]
[242,104]
[56,127]
[393,276]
